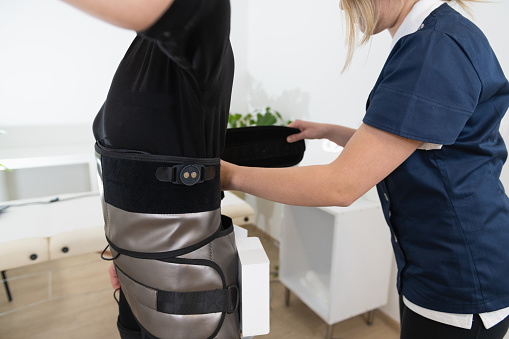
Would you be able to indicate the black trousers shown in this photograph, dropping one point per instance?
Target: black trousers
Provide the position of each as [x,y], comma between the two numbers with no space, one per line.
[128,327]
[414,326]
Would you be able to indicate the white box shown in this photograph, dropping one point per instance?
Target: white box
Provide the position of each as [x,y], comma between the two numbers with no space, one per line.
[254,287]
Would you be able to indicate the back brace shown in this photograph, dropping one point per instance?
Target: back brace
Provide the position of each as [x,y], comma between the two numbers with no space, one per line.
[174,253]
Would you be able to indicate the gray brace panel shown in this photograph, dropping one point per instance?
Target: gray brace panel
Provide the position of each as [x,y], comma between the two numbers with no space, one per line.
[160,232]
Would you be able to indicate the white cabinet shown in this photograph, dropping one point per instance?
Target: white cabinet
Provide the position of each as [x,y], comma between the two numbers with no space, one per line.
[337,260]
[47,160]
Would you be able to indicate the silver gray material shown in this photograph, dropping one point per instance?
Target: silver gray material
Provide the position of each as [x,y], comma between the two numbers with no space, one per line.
[144,295]
[170,326]
[149,233]
[98,164]
[230,327]
[167,276]
[170,277]
[223,252]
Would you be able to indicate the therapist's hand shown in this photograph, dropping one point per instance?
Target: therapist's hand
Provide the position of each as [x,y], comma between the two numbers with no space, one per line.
[314,130]
[308,130]
[227,171]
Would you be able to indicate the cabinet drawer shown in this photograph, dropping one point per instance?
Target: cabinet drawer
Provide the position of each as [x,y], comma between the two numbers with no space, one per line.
[23,252]
[77,242]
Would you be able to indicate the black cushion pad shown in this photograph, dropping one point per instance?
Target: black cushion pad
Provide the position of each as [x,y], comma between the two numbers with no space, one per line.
[262,146]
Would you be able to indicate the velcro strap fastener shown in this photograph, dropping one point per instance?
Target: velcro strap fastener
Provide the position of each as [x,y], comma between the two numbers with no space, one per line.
[187,174]
[201,302]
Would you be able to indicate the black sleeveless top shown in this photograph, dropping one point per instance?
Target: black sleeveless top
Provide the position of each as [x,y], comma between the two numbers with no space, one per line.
[171,92]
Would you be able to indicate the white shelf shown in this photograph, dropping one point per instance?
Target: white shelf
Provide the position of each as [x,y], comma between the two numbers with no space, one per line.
[43,170]
[308,296]
[337,260]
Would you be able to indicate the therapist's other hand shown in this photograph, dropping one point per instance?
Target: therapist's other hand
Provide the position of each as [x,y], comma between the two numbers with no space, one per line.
[308,130]
[227,170]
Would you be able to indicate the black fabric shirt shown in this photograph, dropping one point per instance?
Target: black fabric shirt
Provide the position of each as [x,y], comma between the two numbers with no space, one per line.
[171,92]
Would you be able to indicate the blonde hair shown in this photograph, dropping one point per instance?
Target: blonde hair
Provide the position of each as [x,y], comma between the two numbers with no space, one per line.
[364,11]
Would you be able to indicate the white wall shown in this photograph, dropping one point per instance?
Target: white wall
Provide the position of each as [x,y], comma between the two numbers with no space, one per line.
[239,40]
[296,52]
[57,63]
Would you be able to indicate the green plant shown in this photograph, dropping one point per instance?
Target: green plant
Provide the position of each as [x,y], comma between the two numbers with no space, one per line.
[275,273]
[267,117]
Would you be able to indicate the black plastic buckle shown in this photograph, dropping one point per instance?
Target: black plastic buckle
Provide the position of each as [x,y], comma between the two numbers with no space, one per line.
[230,298]
[188,175]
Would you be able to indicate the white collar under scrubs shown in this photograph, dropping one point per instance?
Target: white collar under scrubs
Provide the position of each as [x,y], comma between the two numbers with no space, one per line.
[413,21]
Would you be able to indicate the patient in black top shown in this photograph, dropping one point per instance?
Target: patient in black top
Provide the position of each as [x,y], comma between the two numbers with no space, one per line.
[171,92]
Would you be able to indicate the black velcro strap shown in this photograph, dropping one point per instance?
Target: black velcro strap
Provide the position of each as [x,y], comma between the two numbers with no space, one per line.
[208,173]
[202,302]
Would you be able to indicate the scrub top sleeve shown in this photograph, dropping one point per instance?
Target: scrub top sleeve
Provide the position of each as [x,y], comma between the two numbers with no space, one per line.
[194,34]
[427,90]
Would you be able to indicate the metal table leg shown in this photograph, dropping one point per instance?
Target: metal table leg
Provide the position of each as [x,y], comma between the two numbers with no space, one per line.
[371,317]
[287,296]
[329,331]
[6,285]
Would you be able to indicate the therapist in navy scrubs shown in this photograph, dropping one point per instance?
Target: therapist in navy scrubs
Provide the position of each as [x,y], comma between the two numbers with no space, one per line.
[430,142]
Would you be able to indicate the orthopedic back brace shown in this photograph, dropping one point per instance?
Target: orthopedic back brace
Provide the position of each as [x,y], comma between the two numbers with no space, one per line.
[173,251]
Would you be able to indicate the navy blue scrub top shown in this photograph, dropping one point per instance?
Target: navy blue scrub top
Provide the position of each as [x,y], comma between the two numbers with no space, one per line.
[447,209]
[171,92]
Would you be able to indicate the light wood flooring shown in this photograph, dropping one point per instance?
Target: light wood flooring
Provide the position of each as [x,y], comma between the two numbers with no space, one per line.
[72,298]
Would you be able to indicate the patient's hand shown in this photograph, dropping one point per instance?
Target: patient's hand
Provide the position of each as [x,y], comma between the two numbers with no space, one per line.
[113,277]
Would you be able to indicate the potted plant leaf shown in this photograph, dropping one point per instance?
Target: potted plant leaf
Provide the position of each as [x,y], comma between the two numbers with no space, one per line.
[268,117]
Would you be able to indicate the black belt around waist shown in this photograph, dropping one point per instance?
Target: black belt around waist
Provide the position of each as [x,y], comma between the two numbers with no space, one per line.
[146,183]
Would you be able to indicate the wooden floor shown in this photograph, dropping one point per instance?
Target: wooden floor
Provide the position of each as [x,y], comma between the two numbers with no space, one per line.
[72,298]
